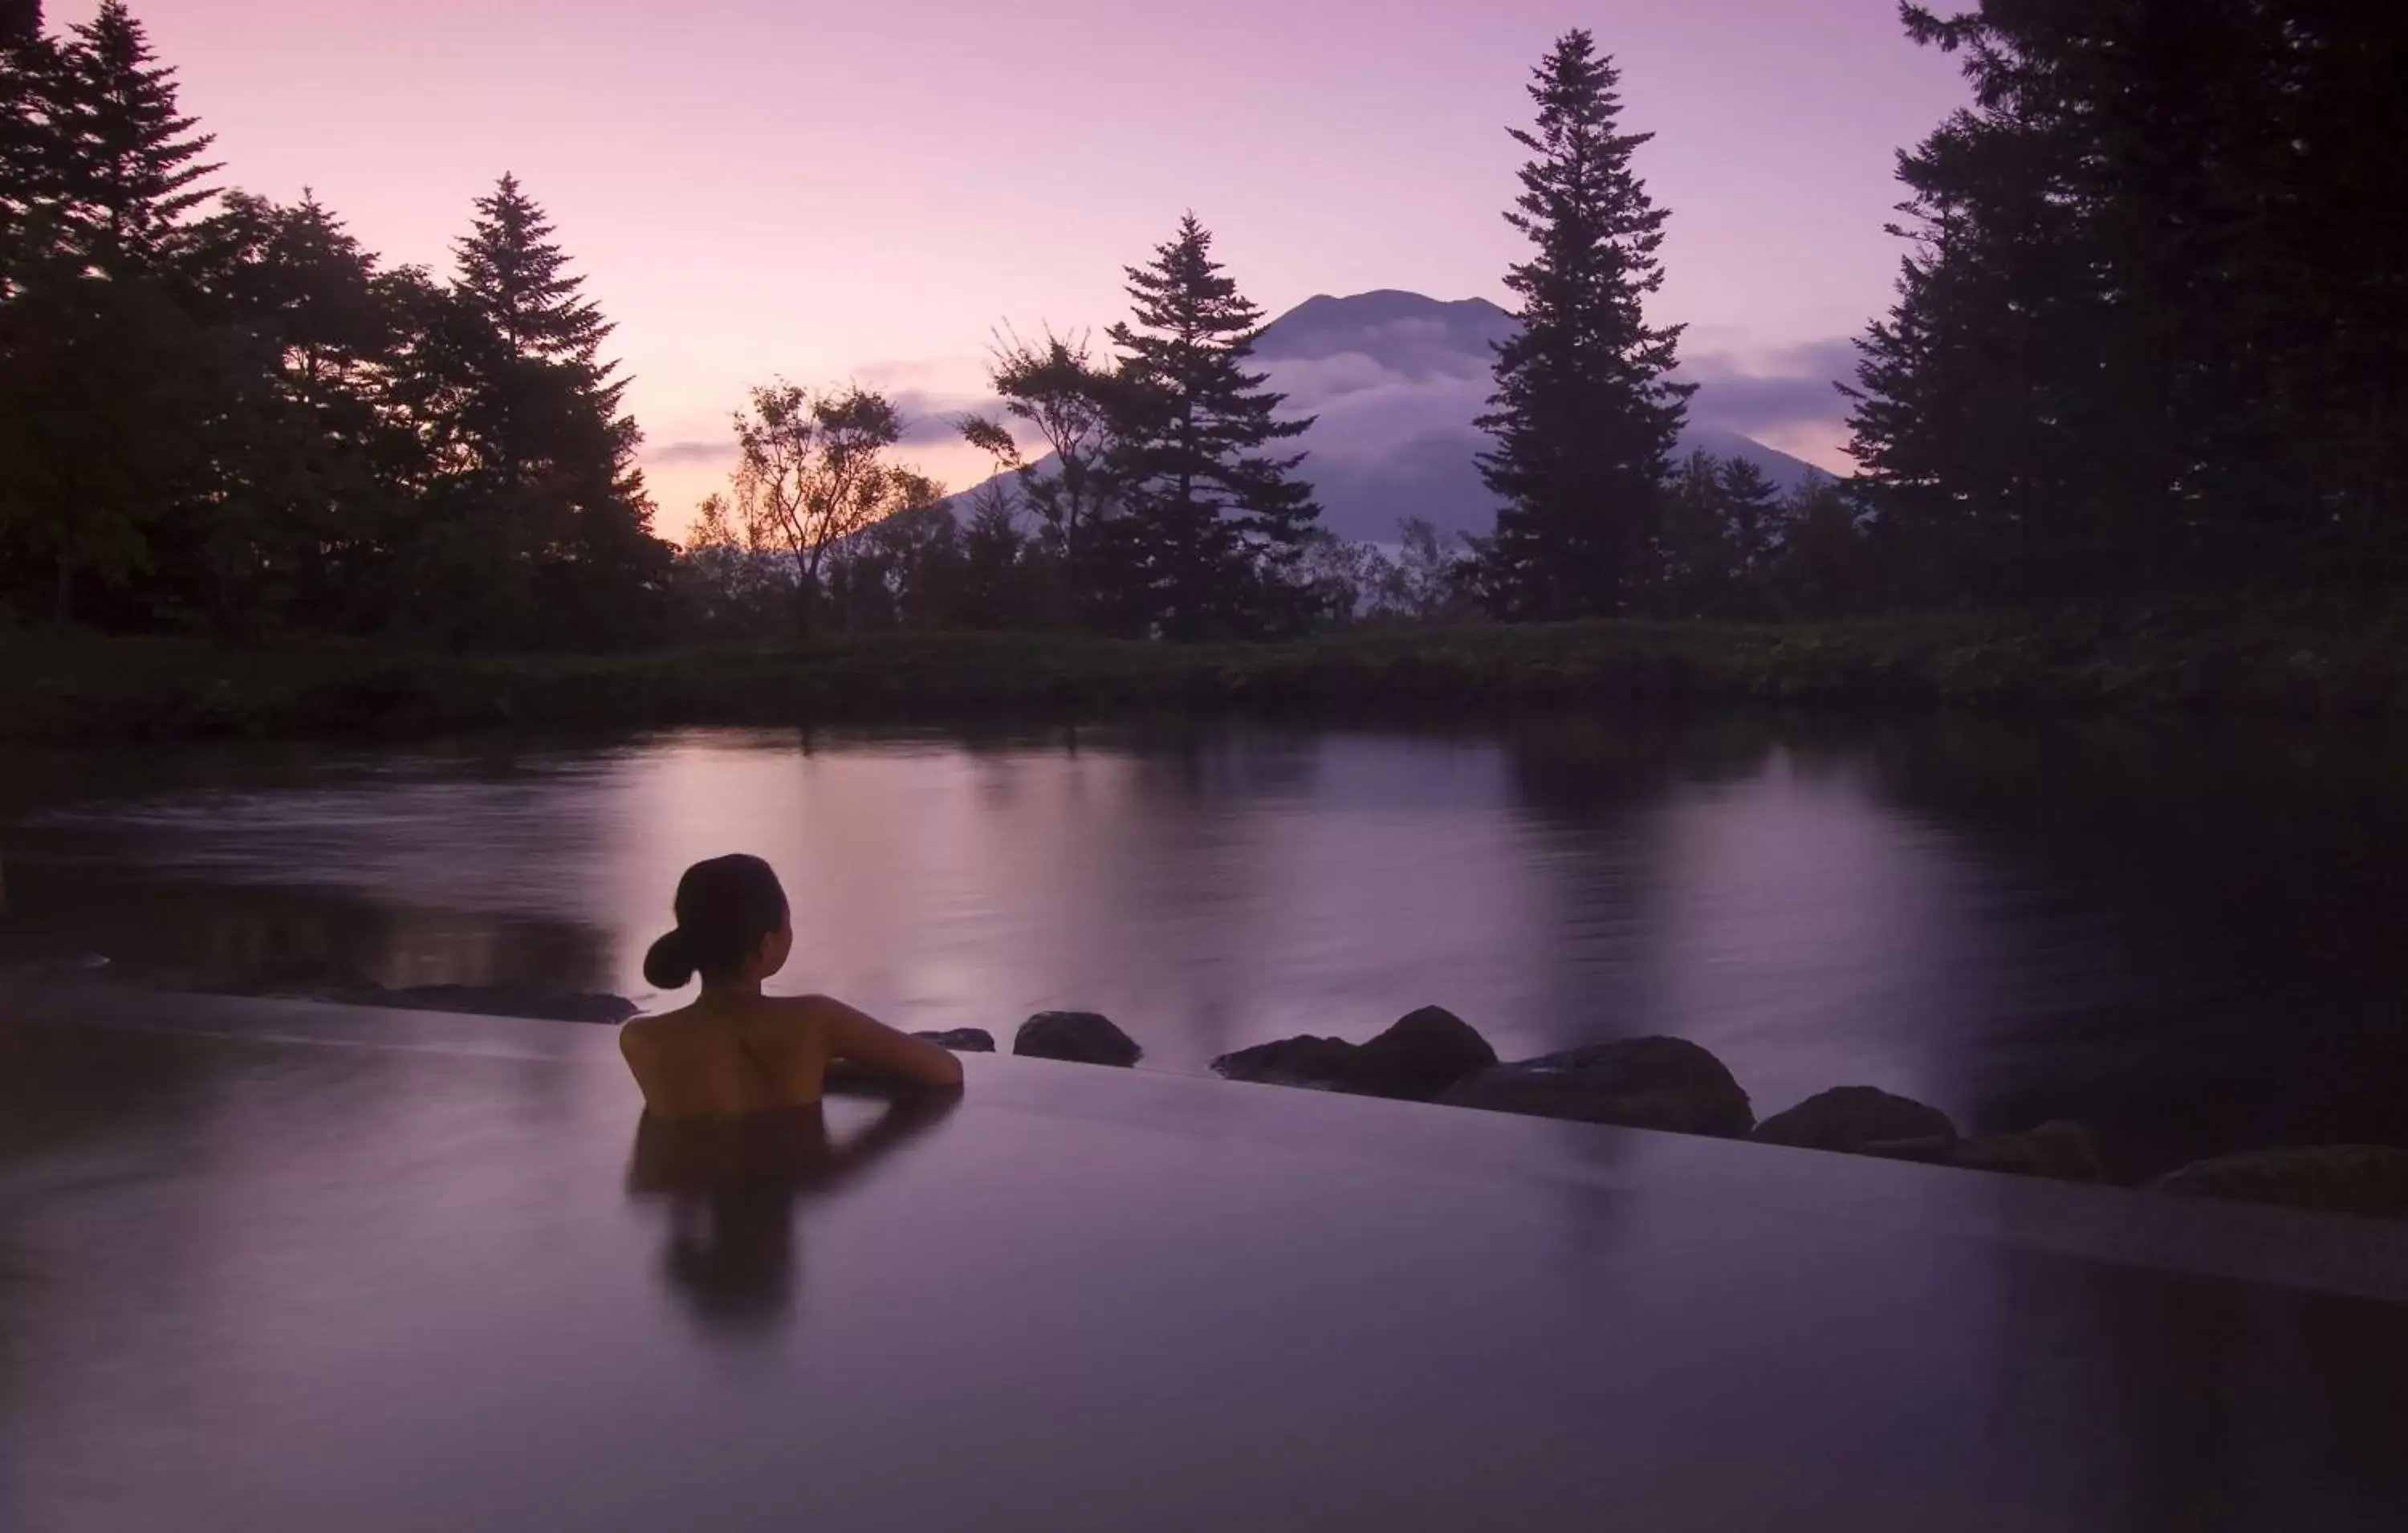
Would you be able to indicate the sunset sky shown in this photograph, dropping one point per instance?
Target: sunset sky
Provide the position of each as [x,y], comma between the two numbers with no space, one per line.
[866,190]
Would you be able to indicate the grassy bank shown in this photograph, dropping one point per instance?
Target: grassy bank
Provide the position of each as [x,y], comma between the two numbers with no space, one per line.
[58,686]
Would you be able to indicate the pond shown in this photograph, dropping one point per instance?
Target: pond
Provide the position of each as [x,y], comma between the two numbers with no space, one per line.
[2190,939]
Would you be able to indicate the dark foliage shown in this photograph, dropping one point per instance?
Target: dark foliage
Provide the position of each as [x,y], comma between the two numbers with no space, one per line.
[1585,413]
[1213,523]
[2149,334]
[220,414]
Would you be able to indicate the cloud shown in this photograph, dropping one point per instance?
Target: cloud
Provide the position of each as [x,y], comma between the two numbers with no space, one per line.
[1369,409]
[683,455]
[931,417]
[1378,409]
[1792,388]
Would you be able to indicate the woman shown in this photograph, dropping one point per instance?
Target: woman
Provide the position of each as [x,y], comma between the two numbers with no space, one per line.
[735,1051]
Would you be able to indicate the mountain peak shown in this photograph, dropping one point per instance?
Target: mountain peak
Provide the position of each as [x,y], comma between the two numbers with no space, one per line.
[1387,323]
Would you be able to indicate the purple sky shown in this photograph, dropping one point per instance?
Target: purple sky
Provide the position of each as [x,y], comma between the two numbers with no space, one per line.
[866,190]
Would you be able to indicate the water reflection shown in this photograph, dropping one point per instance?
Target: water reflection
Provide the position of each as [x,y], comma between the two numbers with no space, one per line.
[2209,1400]
[2184,938]
[734,1190]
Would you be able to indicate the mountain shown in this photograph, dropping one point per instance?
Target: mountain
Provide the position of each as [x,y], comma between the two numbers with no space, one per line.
[1394,380]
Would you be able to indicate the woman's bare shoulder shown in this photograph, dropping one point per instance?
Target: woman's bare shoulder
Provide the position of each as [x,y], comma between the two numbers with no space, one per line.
[641,1034]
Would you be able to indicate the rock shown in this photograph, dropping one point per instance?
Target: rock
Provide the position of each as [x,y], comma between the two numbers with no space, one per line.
[1079,1038]
[1414,1060]
[2361,1179]
[1324,1064]
[1931,1150]
[1847,1118]
[963,1039]
[2060,1152]
[1423,1053]
[1642,1082]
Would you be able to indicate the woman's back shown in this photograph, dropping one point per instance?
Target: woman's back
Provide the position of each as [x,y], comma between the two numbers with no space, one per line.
[736,1052]
[709,1060]
[730,1054]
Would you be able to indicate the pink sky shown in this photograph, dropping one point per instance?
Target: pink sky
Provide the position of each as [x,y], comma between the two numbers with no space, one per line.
[865,190]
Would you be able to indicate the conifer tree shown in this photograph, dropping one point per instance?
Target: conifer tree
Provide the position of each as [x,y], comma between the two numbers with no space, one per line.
[530,416]
[545,404]
[2148,326]
[28,82]
[313,463]
[1751,509]
[1217,523]
[1585,414]
[129,171]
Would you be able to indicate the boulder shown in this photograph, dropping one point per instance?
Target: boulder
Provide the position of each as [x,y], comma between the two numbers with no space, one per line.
[1414,1060]
[1079,1037]
[2361,1179]
[962,1039]
[1324,1064]
[1423,1052]
[1848,1118]
[2060,1152]
[1641,1083]
[1931,1150]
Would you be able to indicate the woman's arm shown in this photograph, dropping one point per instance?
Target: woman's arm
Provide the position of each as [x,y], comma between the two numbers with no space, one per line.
[861,1040]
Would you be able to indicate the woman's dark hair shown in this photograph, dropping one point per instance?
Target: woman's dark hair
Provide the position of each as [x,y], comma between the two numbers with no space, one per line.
[724,908]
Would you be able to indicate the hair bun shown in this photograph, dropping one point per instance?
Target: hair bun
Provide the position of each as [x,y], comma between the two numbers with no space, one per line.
[669,965]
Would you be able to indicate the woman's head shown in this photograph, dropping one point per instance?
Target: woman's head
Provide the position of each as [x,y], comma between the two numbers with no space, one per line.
[731,926]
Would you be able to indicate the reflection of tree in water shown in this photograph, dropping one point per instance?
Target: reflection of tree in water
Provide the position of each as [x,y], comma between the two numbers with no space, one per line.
[250,939]
[734,1188]
[2241,882]
[1580,769]
[2198,1403]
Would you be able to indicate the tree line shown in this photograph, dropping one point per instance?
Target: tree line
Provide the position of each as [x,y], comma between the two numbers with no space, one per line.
[2145,341]
[222,413]
[2151,333]
[1144,489]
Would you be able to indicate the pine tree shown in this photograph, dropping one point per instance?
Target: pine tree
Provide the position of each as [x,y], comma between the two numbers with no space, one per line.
[29,75]
[547,404]
[313,463]
[1216,526]
[530,415]
[1585,414]
[993,554]
[2148,327]
[1751,509]
[130,170]
[1694,555]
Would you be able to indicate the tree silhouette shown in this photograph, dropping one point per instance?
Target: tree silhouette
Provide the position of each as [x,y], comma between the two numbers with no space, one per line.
[129,162]
[1217,524]
[29,158]
[814,474]
[104,406]
[2148,324]
[542,481]
[1584,414]
[1056,389]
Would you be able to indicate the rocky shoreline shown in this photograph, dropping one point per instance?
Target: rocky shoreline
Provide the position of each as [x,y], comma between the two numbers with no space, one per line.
[1666,1084]
[1672,1085]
